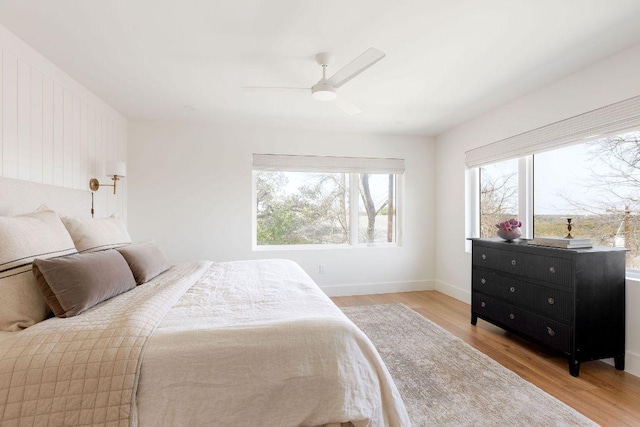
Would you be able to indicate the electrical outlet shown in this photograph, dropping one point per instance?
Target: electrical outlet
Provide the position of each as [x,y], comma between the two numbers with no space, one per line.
[322,269]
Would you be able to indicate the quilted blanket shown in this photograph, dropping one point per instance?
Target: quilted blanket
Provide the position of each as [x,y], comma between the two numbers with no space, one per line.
[84,370]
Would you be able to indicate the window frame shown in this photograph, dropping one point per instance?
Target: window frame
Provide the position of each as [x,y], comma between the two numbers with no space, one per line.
[613,119]
[354,195]
[525,199]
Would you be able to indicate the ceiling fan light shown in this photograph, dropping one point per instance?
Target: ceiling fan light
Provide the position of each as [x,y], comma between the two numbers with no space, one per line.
[323,92]
[324,95]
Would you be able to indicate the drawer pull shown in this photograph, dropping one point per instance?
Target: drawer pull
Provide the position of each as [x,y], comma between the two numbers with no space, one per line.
[512,289]
[550,331]
[484,256]
[483,304]
[483,281]
[552,270]
[513,262]
[551,300]
[512,316]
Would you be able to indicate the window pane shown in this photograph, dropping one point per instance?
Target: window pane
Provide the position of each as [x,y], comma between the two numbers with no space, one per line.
[596,184]
[302,208]
[377,208]
[498,195]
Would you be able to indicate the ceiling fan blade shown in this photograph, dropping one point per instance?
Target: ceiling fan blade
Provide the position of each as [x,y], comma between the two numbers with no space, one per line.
[355,67]
[345,105]
[275,89]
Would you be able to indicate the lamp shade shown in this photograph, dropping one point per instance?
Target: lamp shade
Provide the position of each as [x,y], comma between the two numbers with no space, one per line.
[113,168]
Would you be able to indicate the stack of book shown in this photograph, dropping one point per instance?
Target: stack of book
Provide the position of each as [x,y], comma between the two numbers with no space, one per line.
[561,242]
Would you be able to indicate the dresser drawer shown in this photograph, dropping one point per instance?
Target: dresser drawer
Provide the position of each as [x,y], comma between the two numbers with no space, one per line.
[507,261]
[550,269]
[558,271]
[548,331]
[547,301]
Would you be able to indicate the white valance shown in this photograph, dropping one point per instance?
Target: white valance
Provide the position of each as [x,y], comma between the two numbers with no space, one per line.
[294,163]
[604,121]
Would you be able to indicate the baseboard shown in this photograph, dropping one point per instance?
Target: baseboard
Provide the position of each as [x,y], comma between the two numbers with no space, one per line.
[632,363]
[377,288]
[453,291]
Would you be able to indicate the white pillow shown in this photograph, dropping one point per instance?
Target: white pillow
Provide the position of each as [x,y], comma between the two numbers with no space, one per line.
[23,238]
[97,234]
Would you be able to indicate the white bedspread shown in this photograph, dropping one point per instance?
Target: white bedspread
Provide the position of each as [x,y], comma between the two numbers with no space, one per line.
[257,343]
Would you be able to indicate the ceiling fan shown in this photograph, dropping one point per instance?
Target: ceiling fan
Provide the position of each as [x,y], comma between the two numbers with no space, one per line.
[326,88]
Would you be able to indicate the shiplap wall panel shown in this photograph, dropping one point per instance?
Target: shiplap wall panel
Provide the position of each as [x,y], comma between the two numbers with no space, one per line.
[91,142]
[10,115]
[84,147]
[36,127]
[101,196]
[111,153]
[24,121]
[58,135]
[54,131]
[76,148]
[67,137]
[47,131]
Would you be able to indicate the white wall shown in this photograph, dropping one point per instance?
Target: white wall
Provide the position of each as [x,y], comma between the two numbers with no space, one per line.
[52,130]
[190,189]
[598,85]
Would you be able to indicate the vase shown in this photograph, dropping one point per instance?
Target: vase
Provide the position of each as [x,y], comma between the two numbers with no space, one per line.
[515,233]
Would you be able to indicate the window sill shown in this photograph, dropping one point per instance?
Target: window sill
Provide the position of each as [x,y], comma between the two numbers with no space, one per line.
[287,248]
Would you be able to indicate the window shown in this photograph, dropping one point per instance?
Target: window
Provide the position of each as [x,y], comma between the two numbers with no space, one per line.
[377,208]
[498,195]
[316,200]
[302,208]
[585,167]
[595,183]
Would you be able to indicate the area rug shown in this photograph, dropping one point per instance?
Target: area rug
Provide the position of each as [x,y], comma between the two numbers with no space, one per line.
[446,382]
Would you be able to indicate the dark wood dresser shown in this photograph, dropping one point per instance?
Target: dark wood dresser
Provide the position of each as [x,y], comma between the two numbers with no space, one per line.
[571,300]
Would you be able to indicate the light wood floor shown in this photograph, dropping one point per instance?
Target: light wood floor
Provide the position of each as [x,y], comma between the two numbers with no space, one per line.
[602,393]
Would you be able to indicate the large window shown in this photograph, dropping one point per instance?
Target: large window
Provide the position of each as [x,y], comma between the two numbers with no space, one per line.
[595,183]
[332,205]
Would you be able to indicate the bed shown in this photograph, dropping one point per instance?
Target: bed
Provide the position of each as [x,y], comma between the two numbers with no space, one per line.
[251,343]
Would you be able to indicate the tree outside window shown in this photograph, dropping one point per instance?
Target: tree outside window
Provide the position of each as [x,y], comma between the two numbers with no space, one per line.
[498,195]
[309,208]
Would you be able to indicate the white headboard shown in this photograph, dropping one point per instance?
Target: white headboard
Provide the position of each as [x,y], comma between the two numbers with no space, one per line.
[19,197]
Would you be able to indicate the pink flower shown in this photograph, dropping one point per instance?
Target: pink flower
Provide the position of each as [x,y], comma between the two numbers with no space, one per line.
[509,225]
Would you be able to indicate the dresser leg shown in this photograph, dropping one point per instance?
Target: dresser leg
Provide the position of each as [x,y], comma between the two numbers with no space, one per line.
[619,362]
[474,319]
[574,368]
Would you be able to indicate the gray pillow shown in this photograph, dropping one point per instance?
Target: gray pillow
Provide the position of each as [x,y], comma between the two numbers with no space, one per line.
[146,260]
[75,283]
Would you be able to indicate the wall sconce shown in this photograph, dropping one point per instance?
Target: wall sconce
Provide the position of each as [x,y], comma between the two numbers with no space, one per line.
[115,170]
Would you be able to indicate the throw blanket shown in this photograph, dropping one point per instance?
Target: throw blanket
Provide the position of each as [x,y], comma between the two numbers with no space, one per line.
[83,370]
[257,343]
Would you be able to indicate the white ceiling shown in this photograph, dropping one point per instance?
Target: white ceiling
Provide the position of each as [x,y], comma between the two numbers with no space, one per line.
[447,60]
